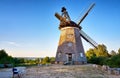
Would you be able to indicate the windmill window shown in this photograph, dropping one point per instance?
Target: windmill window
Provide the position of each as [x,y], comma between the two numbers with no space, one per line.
[81,54]
[70,44]
[59,54]
[69,35]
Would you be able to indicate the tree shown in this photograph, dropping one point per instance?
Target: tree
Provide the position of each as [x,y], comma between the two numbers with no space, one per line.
[5,58]
[21,60]
[97,60]
[90,53]
[3,54]
[52,60]
[119,51]
[114,61]
[46,60]
[101,51]
[16,60]
[112,53]
[97,55]
[100,56]
[37,60]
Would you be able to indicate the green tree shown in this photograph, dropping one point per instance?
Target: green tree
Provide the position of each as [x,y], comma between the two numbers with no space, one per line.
[114,61]
[21,60]
[100,56]
[90,53]
[97,55]
[5,58]
[37,60]
[119,51]
[112,53]
[97,60]
[52,60]
[3,54]
[46,60]
[101,51]
[16,60]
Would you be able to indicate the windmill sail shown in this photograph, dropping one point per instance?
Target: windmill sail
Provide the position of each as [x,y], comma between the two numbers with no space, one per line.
[62,19]
[88,39]
[83,17]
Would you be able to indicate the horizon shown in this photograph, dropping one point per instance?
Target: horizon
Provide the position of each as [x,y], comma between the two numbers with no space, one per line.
[30,29]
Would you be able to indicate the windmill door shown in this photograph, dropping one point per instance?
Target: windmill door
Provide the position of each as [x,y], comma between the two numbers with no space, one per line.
[69,58]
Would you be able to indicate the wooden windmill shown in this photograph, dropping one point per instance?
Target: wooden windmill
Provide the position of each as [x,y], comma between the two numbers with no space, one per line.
[70,49]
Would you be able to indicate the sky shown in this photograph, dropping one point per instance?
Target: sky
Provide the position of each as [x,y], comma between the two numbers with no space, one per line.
[28,28]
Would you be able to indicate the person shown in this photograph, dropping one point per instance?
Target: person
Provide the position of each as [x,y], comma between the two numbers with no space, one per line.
[15,72]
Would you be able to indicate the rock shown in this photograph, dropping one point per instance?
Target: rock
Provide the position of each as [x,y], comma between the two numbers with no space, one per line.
[105,68]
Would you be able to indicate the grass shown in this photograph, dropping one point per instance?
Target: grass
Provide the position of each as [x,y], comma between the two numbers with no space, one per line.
[61,71]
[68,71]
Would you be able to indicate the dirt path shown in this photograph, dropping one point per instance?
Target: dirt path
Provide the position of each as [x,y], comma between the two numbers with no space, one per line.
[61,71]
[6,73]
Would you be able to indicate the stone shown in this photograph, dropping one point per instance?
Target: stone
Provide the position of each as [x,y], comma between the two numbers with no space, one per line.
[105,68]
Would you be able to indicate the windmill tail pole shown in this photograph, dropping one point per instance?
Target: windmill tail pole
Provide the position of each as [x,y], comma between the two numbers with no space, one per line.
[92,5]
[62,19]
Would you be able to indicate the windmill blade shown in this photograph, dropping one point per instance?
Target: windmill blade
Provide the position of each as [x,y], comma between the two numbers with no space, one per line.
[83,17]
[88,39]
[62,19]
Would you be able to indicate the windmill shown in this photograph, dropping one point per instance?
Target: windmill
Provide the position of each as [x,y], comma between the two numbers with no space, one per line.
[70,48]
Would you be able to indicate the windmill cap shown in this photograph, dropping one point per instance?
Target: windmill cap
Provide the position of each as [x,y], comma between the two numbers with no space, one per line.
[69,24]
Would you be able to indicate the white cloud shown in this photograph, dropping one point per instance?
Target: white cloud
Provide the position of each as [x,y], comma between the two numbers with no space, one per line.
[12,43]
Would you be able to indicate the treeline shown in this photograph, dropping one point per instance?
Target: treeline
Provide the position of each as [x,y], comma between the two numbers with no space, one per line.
[36,61]
[101,56]
[6,59]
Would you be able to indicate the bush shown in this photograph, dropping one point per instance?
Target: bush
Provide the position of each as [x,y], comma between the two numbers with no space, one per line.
[113,61]
[97,60]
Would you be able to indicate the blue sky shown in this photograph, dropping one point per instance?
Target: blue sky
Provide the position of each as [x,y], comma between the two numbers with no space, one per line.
[28,28]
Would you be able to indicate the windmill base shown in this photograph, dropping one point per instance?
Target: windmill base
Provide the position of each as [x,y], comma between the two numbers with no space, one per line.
[70,49]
